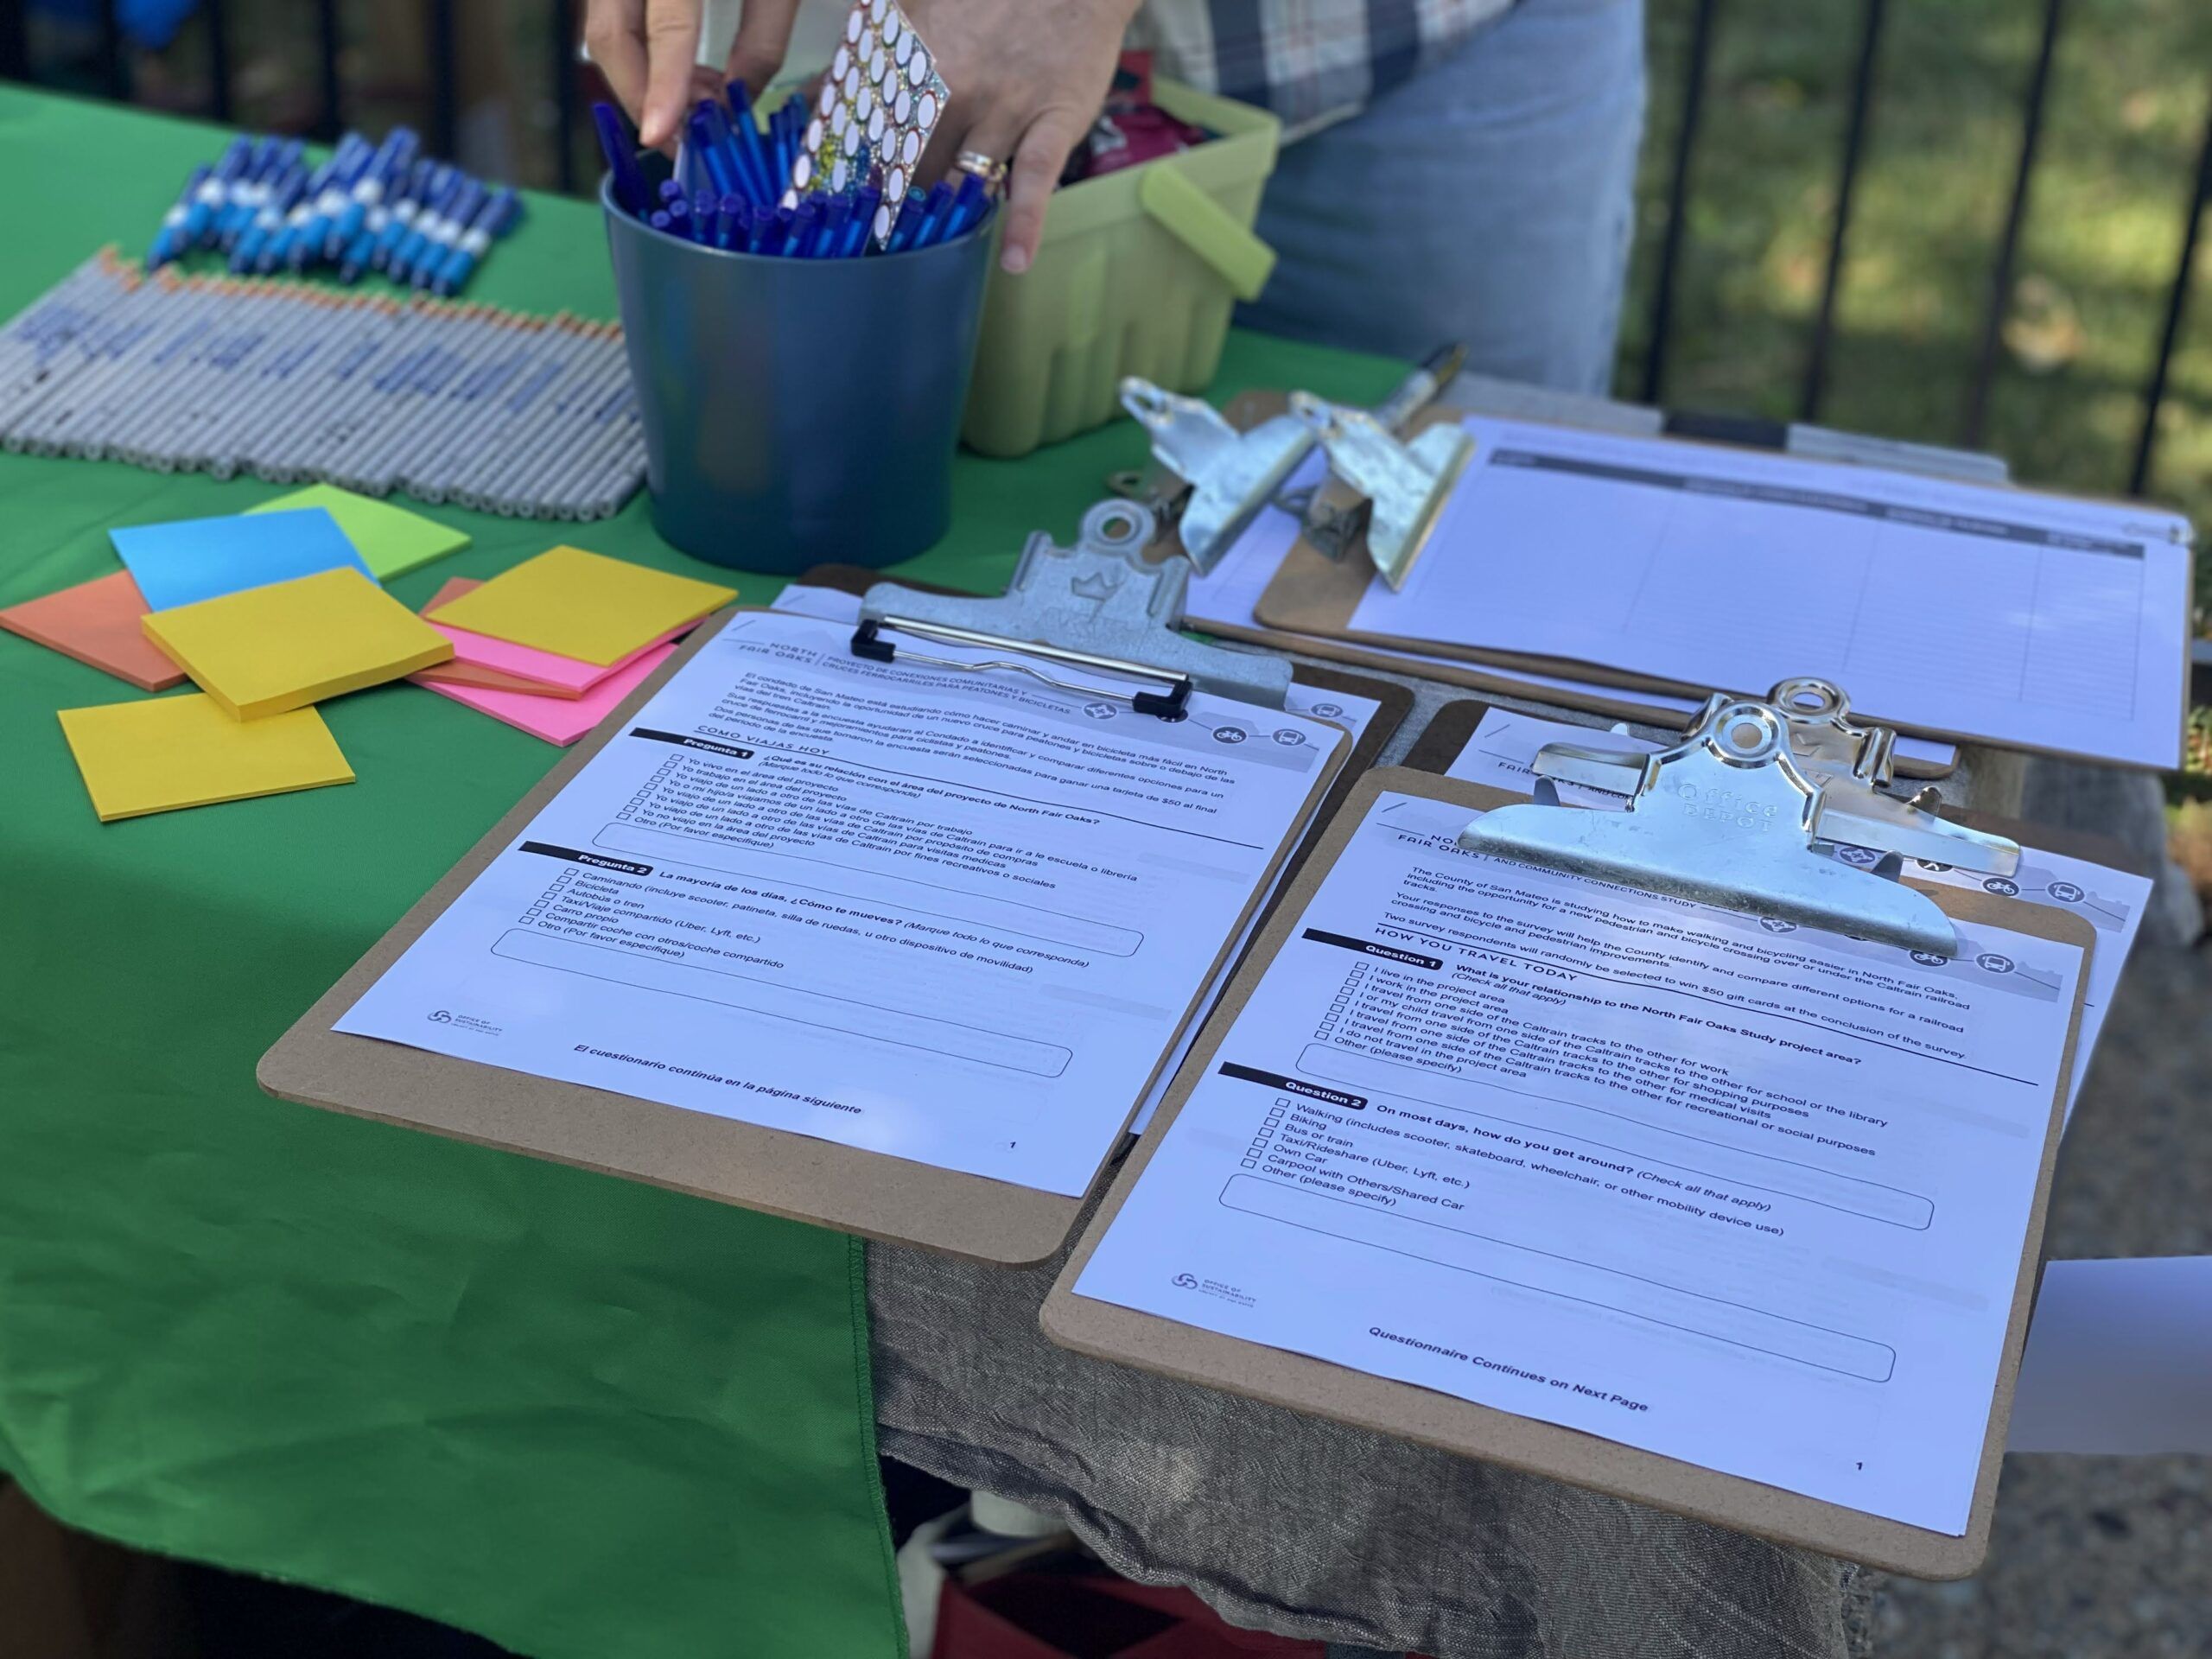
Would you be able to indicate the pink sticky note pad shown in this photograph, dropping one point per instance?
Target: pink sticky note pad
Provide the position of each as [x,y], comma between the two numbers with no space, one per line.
[562,676]
[557,720]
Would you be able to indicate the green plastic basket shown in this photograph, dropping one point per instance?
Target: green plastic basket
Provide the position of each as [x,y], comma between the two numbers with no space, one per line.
[1136,275]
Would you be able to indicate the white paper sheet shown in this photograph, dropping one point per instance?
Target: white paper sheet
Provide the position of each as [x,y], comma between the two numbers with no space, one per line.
[953,917]
[1752,1199]
[2119,1360]
[1339,708]
[1503,752]
[1229,593]
[1997,614]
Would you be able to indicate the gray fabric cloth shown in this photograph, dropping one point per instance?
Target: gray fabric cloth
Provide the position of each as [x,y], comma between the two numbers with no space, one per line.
[1308,1528]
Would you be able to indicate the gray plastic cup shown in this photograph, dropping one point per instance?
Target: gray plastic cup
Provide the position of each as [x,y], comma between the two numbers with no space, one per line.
[797,411]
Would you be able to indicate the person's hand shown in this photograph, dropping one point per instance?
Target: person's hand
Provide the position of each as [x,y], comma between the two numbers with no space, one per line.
[649,49]
[1028,79]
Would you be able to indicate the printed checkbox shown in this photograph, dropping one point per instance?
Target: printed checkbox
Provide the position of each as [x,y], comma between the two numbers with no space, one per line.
[1251,1163]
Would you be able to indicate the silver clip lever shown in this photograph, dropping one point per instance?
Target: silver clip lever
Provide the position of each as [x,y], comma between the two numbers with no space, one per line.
[1728,817]
[1406,483]
[1851,759]
[1172,704]
[1232,474]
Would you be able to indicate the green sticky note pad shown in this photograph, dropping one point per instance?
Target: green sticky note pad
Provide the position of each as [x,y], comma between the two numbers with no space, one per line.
[391,540]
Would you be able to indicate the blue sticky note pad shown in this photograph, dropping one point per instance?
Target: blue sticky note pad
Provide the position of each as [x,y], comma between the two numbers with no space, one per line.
[192,559]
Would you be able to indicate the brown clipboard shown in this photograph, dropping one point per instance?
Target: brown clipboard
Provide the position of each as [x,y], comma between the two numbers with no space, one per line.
[1453,727]
[1313,596]
[1107,1331]
[778,1172]
[1494,677]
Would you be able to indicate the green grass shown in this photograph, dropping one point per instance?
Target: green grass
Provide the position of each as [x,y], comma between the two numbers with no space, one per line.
[2103,230]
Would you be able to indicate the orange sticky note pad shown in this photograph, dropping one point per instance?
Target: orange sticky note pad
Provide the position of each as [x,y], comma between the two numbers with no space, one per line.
[582,605]
[167,752]
[266,650]
[96,622]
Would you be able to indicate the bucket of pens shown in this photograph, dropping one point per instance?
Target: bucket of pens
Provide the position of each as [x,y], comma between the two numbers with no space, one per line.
[801,350]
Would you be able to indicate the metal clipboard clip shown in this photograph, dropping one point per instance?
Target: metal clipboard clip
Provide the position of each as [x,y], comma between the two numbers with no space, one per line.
[1406,481]
[1734,815]
[1232,474]
[1096,607]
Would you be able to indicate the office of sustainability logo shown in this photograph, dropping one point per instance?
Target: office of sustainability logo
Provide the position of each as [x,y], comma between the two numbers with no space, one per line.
[464,1022]
[1215,1288]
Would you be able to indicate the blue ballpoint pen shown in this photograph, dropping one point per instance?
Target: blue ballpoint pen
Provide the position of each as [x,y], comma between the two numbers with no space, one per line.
[968,203]
[903,228]
[724,155]
[169,241]
[499,214]
[385,171]
[622,152]
[215,191]
[829,236]
[720,175]
[659,220]
[809,214]
[705,206]
[860,226]
[760,184]
[679,217]
[729,222]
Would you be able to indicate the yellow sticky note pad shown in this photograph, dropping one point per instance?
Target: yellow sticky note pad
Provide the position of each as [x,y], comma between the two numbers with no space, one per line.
[265,650]
[165,753]
[576,604]
[391,540]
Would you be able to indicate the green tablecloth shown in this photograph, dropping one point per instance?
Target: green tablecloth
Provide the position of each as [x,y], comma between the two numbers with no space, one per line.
[583,1417]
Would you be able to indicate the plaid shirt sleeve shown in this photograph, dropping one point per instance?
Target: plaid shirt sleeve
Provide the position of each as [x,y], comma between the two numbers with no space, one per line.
[1311,62]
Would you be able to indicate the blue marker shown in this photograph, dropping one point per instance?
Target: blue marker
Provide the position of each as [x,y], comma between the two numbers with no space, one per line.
[246,193]
[431,180]
[286,247]
[215,191]
[387,164]
[369,247]
[386,171]
[410,246]
[304,241]
[621,153]
[500,214]
[442,231]
[169,241]
[268,219]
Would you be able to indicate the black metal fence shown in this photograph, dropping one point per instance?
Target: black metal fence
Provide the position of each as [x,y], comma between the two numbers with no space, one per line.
[440,122]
